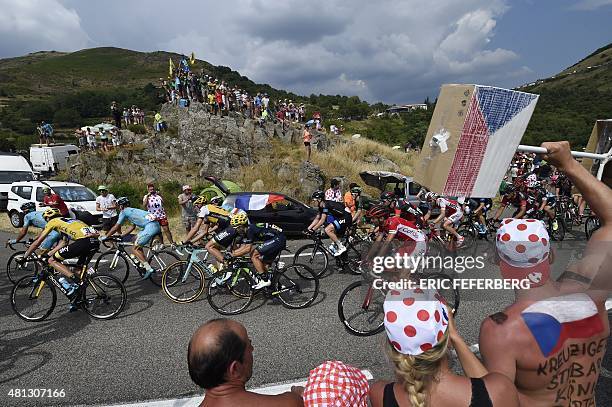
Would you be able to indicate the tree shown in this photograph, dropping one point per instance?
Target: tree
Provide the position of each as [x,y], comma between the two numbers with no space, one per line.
[67,117]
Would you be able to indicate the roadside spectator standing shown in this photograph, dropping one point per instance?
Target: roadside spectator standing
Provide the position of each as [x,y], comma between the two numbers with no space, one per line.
[160,124]
[91,139]
[41,133]
[116,114]
[154,204]
[350,198]
[116,137]
[46,131]
[104,139]
[81,138]
[307,137]
[53,200]
[107,204]
[220,361]
[188,212]
[334,193]
[552,339]
[419,332]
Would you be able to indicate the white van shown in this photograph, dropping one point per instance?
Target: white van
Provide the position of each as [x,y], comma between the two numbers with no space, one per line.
[52,158]
[78,198]
[13,167]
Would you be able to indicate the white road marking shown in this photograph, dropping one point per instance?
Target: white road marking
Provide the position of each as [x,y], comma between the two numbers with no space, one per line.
[270,389]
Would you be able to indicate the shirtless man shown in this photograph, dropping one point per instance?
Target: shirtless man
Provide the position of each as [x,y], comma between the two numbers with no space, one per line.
[220,359]
[552,340]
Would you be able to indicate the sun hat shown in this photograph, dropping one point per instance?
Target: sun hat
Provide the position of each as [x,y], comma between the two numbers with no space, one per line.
[334,383]
[415,320]
[523,247]
[186,187]
[102,188]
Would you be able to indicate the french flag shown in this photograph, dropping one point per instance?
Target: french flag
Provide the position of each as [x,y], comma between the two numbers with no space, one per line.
[256,202]
[557,319]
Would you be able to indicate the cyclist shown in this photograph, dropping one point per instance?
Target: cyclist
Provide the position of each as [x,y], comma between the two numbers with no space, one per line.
[479,207]
[336,218]
[389,200]
[272,242]
[411,213]
[537,201]
[223,240]
[83,238]
[450,212]
[512,196]
[211,215]
[34,218]
[139,218]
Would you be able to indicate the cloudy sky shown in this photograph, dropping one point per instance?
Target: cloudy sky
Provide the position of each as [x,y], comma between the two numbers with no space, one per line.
[395,51]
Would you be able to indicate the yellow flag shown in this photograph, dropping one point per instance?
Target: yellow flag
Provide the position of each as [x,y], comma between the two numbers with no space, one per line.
[171,67]
[192,58]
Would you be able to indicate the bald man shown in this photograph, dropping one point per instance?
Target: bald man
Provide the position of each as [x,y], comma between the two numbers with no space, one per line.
[220,359]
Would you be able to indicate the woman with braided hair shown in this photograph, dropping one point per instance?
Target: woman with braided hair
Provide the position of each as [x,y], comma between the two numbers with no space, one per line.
[419,333]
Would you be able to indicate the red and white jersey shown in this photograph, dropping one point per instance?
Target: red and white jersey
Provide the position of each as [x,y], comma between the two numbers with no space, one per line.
[403,229]
[449,205]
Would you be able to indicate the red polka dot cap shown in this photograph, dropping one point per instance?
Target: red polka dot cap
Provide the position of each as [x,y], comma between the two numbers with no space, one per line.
[415,320]
[523,246]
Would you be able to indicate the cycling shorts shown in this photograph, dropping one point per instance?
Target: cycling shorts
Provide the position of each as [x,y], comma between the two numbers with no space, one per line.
[81,248]
[52,238]
[271,248]
[341,224]
[147,234]
[455,217]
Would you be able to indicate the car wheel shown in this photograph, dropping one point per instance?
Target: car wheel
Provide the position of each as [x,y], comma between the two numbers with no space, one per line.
[16,219]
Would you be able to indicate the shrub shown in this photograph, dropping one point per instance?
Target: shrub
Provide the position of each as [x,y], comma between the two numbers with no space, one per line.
[67,117]
[137,128]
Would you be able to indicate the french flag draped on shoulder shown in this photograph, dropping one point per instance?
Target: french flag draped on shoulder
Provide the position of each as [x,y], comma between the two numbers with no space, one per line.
[555,320]
[256,202]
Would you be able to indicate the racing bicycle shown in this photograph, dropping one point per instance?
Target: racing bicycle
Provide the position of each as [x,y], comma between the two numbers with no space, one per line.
[34,297]
[185,280]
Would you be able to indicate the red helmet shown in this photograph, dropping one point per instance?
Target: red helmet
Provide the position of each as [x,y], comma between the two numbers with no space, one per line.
[378,211]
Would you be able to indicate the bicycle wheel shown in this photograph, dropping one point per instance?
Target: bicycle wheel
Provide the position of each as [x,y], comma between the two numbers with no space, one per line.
[160,260]
[469,236]
[449,294]
[15,271]
[113,263]
[33,299]
[296,286]
[313,257]
[183,282]
[355,252]
[360,309]
[591,225]
[103,296]
[232,296]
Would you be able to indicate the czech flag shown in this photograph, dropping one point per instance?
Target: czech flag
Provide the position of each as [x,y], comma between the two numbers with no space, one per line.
[557,319]
[256,202]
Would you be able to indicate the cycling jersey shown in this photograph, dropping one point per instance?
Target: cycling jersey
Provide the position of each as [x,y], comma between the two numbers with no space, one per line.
[214,214]
[516,199]
[402,229]
[564,185]
[450,206]
[35,219]
[136,216]
[262,232]
[410,213]
[332,208]
[536,197]
[71,228]
[226,237]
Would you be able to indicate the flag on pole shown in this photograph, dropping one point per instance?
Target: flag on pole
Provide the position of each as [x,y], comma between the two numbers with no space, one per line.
[192,58]
[472,137]
[170,67]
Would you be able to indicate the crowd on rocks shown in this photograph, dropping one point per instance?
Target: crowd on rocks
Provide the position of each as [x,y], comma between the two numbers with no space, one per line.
[103,139]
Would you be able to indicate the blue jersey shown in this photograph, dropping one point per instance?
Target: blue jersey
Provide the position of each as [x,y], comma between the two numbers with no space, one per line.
[138,217]
[34,219]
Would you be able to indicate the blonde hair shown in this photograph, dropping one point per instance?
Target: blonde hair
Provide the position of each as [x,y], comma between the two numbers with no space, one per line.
[416,372]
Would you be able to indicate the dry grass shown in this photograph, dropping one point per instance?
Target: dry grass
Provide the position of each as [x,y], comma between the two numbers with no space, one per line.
[343,159]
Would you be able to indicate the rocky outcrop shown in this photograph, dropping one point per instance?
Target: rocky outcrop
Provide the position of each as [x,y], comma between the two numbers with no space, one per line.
[384,163]
[311,177]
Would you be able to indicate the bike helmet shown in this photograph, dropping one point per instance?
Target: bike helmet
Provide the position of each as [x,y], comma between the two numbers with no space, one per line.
[51,213]
[201,201]
[238,217]
[123,201]
[318,195]
[430,196]
[28,206]
[356,190]
[387,196]
[531,180]
[216,200]
[378,211]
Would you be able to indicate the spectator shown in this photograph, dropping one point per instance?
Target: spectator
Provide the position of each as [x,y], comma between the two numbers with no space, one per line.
[91,139]
[334,193]
[419,330]
[188,212]
[82,138]
[307,137]
[104,139]
[154,204]
[335,384]
[523,342]
[115,137]
[53,200]
[116,114]
[220,360]
[107,204]
[350,198]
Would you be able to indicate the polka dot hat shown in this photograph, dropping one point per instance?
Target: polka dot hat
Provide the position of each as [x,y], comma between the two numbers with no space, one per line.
[415,320]
[523,246]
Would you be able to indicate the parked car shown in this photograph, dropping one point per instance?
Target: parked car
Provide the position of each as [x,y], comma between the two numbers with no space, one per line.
[287,213]
[81,201]
[13,167]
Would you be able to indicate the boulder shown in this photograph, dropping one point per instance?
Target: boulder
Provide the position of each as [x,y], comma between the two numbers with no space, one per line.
[258,186]
[311,178]
[383,163]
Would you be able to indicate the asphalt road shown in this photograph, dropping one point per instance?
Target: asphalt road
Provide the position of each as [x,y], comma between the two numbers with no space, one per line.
[141,355]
